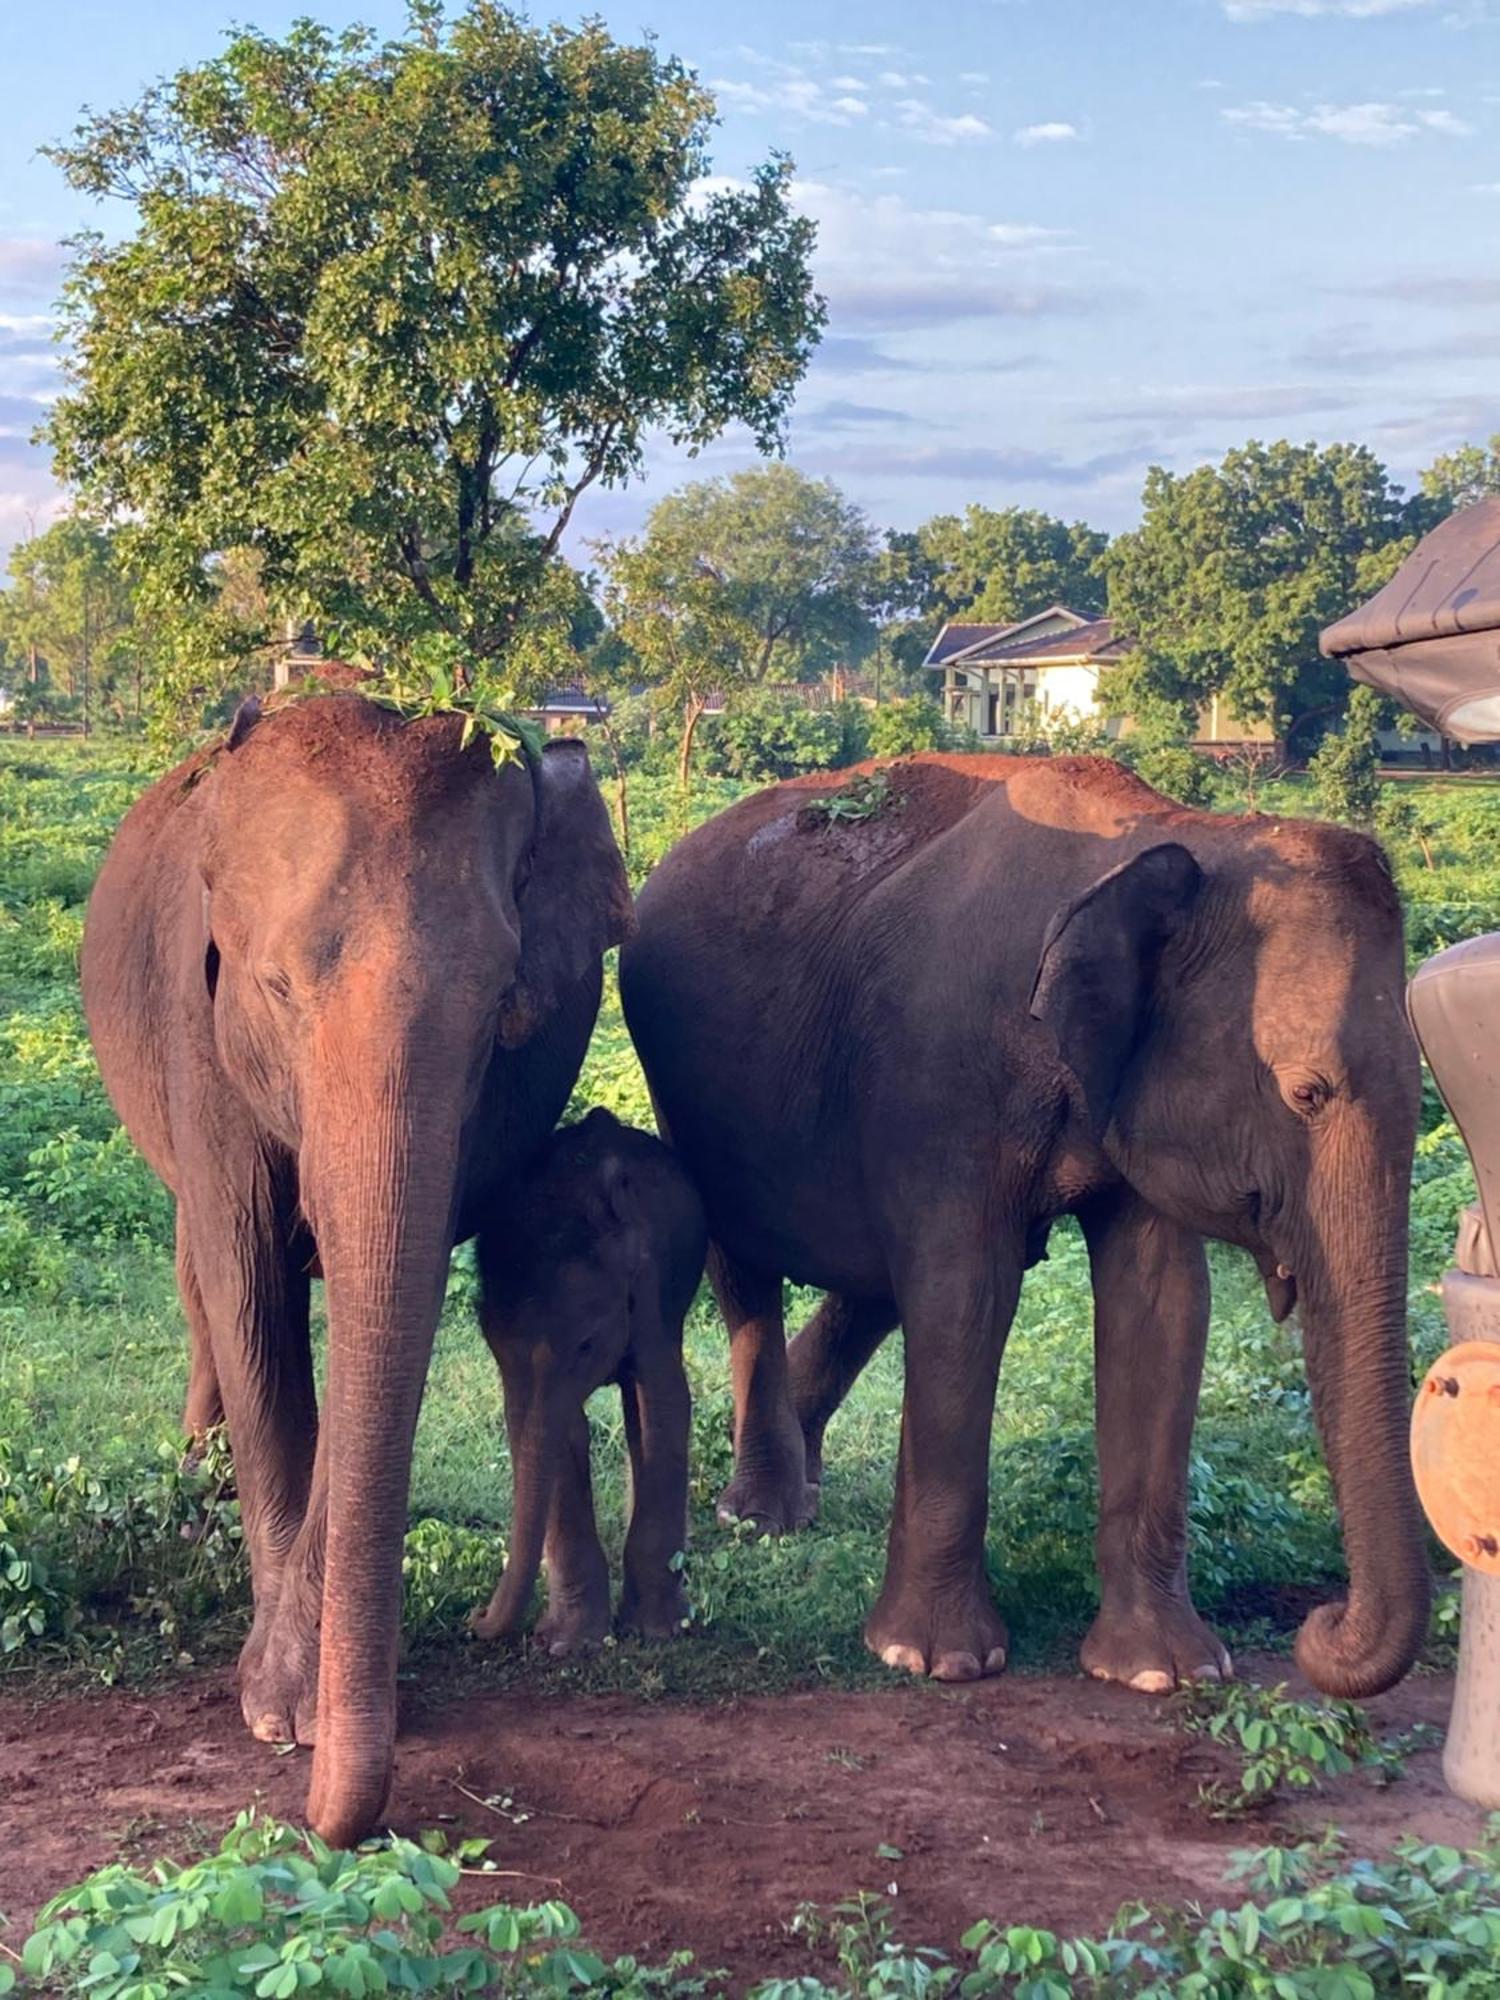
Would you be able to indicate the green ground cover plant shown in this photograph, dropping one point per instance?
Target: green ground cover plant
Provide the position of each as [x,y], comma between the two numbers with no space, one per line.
[275,1913]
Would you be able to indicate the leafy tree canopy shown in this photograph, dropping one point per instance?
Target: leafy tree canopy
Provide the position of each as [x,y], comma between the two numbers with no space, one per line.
[390,307]
[765,576]
[67,623]
[1459,478]
[997,566]
[1237,567]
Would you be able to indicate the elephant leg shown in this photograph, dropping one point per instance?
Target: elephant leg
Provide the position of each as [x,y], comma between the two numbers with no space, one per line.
[577,1614]
[255,1304]
[658,1416]
[769,1486]
[935,1614]
[827,1358]
[1151,1305]
[204,1409]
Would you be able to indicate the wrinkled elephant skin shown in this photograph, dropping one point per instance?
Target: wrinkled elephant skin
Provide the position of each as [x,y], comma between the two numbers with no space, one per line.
[340,972]
[893,1043]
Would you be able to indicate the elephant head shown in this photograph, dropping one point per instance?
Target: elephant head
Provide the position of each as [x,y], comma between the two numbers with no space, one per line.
[383,909]
[1231,1003]
[560,1267]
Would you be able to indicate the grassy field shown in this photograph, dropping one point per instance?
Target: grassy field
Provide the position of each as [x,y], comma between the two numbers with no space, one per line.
[96,1574]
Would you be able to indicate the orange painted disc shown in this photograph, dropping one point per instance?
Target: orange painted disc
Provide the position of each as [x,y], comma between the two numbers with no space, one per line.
[1455,1452]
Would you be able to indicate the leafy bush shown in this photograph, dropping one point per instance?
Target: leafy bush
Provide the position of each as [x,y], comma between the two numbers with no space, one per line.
[33,1263]
[914,722]
[275,1912]
[766,735]
[1345,772]
[99,1190]
[1178,772]
[1427,1921]
[1283,1743]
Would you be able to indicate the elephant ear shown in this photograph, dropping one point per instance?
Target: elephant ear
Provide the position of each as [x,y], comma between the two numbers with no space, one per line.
[575,900]
[1096,982]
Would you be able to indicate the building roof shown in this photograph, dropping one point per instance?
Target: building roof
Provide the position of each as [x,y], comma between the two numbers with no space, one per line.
[1087,639]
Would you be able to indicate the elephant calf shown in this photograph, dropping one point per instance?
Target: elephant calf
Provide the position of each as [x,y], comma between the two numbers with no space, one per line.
[588,1270]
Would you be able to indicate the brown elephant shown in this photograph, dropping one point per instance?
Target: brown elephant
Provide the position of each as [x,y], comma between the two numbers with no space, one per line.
[588,1268]
[340,973]
[893,1041]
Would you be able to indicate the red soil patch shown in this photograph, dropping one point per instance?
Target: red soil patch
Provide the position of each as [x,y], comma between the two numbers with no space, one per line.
[1046,1799]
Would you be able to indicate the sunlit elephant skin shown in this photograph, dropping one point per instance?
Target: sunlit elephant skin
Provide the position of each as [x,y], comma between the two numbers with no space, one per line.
[588,1269]
[340,973]
[892,1043]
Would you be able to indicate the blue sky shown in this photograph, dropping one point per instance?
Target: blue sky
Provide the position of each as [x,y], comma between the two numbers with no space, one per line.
[1060,241]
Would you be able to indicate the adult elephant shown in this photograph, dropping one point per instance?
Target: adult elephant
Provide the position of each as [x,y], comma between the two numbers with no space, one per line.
[895,1038]
[340,972]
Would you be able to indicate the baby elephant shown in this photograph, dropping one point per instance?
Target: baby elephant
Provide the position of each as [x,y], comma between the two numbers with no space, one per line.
[588,1269]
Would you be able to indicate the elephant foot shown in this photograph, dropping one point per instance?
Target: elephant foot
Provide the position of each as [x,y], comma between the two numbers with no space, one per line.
[279,1687]
[573,1626]
[946,1639]
[657,1613]
[774,1502]
[1154,1648]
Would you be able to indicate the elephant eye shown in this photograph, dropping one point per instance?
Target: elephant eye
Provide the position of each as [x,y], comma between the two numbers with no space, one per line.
[1308,1094]
[276,983]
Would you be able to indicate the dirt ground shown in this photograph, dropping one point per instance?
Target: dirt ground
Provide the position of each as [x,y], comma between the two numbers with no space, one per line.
[1041,1798]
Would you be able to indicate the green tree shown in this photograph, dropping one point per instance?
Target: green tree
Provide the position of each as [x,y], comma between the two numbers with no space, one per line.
[69,610]
[765,576]
[389,308]
[997,566]
[1236,568]
[771,733]
[1459,478]
[1346,770]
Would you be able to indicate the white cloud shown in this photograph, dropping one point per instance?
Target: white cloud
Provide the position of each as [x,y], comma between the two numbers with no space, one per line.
[1354,124]
[1053,132]
[974,76]
[794,96]
[935,128]
[1354,10]
[888,265]
[1021,235]
[1485,187]
[854,83]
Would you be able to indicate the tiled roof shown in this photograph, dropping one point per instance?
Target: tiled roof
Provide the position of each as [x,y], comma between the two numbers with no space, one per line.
[954,638]
[1094,639]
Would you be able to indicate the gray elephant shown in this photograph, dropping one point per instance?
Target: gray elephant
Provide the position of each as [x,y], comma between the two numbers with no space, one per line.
[892,1041]
[340,972]
[588,1270]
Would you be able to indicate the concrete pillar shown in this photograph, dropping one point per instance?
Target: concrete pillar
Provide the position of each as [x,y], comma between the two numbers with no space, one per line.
[1454,1003]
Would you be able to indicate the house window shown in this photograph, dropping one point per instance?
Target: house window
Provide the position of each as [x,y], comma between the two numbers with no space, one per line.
[992,714]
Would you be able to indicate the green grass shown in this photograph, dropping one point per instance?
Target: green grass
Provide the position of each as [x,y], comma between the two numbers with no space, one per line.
[92,1357]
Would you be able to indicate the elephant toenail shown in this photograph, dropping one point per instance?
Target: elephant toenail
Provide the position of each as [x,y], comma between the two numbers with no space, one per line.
[272,1729]
[956,1667]
[1151,1680]
[1210,1671]
[994,1660]
[907,1658]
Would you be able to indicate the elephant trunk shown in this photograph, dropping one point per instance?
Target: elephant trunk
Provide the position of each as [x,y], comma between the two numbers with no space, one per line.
[535,1439]
[1352,1287]
[381,1194]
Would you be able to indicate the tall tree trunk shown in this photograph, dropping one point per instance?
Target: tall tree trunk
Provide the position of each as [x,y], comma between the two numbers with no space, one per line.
[692,715]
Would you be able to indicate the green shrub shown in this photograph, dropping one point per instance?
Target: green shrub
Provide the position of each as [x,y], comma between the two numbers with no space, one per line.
[1284,1744]
[33,1263]
[1345,772]
[275,1912]
[99,1190]
[1178,772]
[914,722]
[766,735]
